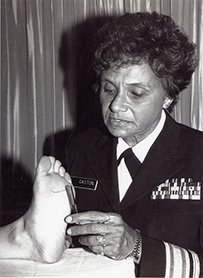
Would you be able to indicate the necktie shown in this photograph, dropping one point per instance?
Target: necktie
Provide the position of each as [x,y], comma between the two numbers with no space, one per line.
[131,161]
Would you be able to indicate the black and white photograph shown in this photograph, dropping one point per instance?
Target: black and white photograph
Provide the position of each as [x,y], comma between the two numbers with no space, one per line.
[101,138]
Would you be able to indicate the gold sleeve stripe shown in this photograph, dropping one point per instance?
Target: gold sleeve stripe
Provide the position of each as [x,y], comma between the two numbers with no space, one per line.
[185,262]
[178,262]
[196,264]
[168,260]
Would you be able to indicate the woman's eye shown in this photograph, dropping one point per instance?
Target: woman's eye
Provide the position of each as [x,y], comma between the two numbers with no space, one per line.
[109,91]
[135,94]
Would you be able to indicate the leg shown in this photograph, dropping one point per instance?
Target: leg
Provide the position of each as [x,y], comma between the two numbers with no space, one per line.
[44,221]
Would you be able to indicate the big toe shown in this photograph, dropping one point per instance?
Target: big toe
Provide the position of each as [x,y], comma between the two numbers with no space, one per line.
[44,165]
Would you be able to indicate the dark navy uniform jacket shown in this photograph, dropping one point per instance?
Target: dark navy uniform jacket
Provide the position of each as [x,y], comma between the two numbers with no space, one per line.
[171,223]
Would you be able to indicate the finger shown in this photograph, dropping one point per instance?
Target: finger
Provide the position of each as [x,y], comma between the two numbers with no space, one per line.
[98,250]
[88,217]
[97,240]
[88,240]
[92,229]
[114,218]
[100,245]
[108,251]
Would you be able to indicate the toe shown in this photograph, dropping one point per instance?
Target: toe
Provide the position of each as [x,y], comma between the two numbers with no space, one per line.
[68,178]
[62,171]
[57,166]
[44,165]
[52,161]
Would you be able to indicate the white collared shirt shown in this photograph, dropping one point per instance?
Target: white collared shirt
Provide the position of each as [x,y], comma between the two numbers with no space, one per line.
[140,150]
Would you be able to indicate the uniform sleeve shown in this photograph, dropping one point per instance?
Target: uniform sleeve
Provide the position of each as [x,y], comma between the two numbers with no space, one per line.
[162,259]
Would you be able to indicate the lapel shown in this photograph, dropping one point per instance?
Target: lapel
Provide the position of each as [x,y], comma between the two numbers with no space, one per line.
[102,158]
[162,162]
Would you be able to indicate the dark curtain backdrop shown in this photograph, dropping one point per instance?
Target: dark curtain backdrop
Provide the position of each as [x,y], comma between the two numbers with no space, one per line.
[46,80]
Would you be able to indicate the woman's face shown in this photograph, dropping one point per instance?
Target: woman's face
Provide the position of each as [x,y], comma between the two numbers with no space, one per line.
[132,100]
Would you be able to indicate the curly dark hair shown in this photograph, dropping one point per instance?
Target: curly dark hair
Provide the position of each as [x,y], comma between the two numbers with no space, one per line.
[147,37]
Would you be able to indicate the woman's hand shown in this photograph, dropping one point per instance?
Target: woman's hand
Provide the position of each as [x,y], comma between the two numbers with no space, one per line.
[104,233]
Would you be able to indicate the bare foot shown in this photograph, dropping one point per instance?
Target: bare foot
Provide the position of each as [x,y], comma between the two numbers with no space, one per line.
[44,221]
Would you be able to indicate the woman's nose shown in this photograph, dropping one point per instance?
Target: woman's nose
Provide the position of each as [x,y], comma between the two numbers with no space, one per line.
[118,103]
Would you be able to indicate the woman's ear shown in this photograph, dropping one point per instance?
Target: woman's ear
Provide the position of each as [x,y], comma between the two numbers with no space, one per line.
[167,103]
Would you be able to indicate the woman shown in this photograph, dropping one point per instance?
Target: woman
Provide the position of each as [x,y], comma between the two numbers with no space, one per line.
[153,215]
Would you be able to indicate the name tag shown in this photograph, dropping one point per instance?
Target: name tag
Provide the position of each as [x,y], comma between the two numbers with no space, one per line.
[84,183]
